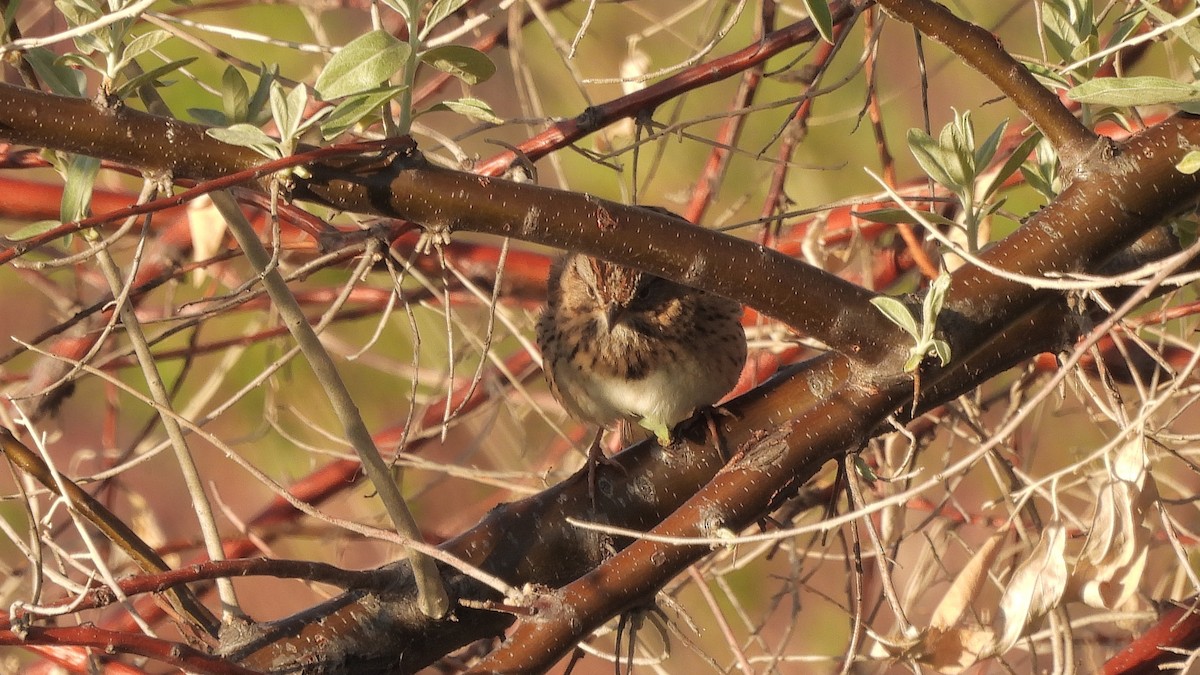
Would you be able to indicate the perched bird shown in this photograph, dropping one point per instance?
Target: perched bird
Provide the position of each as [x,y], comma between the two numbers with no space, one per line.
[618,343]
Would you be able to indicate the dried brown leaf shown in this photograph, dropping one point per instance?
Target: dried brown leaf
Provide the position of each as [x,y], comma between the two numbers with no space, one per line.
[1036,587]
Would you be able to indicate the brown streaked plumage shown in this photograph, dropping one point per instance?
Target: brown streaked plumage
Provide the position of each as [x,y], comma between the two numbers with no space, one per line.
[618,343]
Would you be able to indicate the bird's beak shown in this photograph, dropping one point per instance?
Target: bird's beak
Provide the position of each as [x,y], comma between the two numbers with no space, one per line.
[613,314]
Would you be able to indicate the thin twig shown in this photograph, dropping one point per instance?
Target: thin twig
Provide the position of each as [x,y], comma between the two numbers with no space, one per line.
[183,455]
[433,598]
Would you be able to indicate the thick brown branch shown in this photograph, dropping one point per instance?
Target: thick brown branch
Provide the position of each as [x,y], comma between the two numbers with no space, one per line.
[829,309]
[819,304]
[119,134]
[1176,632]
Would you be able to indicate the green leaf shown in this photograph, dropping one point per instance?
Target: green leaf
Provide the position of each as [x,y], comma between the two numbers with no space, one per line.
[1190,163]
[78,62]
[247,136]
[440,10]
[1041,173]
[469,107]
[896,216]
[818,11]
[1186,231]
[1049,77]
[10,13]
[1038,181]
[1057,31]
[402,8]
[898,313]
[1070,27]
[936,161]
[142,44]
[288,110]
[467,64]
[868,474]
[79,179]
[257,110]
[941,349]
[235,96]
[297,101]
[1126,24]
[915,357]
[280,112]
[992,208]
[60,78]
[150,76]
[1013,163]
[931,306]
[1188,32]
[33,230]
[985,152]
[213,118]
[78,14]
[354,108]
[363,64]
[958,138]
[1141,90]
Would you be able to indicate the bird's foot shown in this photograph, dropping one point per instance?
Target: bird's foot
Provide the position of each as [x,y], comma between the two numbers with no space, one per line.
[710,414]
[595,458]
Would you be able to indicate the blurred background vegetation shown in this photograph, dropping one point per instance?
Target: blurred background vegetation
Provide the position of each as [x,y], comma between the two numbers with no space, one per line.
[784,603]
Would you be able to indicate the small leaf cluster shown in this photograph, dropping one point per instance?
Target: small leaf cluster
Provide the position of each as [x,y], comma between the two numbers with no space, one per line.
[1139,90]
[954,160]
[1070,29]
[287,111]
[109,50]
[1131,91]
[924,342]
[1041,172]
[239,104]
[358,77]
[360,72]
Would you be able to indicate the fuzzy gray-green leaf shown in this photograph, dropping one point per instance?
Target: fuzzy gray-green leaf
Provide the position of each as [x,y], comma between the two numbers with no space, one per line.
[898,313]
[354,108]
[365,63]
[1140,90]
[79,179]
[469,65]
[247,136]
[440,10]
[933,158]
[469,107]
